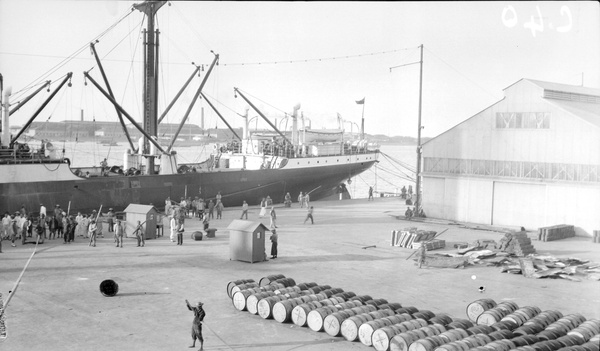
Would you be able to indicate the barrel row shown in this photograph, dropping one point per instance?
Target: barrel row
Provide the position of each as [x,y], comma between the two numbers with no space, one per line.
[483,337]
[490,326]
[330,297]
[248,298]
[300,313]
[494,341]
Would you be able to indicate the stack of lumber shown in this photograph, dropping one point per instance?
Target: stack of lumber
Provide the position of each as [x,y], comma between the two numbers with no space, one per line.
[517,244]
[433,244]
[406,237]
[556,232]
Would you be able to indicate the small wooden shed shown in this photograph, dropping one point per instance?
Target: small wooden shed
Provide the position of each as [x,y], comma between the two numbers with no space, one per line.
[247,241]
[147,215]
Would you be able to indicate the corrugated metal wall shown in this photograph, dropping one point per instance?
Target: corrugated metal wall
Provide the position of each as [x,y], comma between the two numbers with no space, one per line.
[515,201]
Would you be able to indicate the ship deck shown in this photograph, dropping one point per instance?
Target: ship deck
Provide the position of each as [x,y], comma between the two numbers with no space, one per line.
[58,305]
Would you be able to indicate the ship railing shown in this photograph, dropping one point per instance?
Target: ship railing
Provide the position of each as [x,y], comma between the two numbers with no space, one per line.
[26,155]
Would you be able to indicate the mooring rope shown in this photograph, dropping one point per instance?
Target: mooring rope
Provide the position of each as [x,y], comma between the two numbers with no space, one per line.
[14,289]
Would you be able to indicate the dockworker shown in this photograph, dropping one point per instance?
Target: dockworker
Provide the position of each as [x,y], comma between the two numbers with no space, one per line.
[140,235]
[244,210]
[58,213]
[40,227]
[5,225]
[168,206]
[263,208]
[53,227]
[288,200]
[110,219]
[79,220]
[13,230]
[43,210]
[199,315]
[219,206]
[301,200]
[219,196]
[422,255]
[69,230]
[64,224]
[370,194]
[307,199]
[200,208]
[274,244]
[119,233]
[85,224]
[273,216]
[173,224]
[23,211]
[211,209]
[408,214]
[183,206]
[92,233]
[309,215]
[180,230]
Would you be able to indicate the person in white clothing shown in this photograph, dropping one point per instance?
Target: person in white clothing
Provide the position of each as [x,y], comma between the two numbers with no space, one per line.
[173,224]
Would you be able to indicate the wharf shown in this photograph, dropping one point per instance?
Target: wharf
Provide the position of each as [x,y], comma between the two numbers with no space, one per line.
[58,305]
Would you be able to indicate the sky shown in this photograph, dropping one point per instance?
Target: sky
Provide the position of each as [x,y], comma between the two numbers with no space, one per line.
[323,55]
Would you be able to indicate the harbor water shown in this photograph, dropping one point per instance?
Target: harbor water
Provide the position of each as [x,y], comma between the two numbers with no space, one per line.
[387,177]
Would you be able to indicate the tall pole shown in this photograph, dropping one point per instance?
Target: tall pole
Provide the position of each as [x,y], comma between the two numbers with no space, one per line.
[418,173]
[150,8]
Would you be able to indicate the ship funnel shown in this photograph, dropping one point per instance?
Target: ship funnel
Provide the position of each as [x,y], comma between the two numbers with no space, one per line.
[245,125]
[5,123]
[295,137]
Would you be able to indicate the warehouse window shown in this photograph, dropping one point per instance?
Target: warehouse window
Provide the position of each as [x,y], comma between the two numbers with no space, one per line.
[512,169]
[522,120]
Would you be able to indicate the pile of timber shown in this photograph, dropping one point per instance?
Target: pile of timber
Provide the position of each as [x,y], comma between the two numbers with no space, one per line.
[433,244]
[389,326]
[407,236]
[517,244]
[556,232]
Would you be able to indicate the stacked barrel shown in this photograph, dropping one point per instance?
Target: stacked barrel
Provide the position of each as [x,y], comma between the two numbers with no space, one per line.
[387,325]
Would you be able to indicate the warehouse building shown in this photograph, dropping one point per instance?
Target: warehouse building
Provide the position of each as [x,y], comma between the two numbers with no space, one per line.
[532,159]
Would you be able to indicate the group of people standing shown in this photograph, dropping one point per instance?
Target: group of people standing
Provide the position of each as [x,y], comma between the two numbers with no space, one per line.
[57,223]
[50,225]
[198,207]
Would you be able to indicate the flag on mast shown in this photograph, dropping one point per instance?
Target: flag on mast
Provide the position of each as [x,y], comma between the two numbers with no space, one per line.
[361,102]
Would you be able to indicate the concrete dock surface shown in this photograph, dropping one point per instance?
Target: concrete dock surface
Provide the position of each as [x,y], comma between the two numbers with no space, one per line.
[58,305]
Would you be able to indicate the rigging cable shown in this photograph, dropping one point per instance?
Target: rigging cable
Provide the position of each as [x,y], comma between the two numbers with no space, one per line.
[318,59]
[59,65]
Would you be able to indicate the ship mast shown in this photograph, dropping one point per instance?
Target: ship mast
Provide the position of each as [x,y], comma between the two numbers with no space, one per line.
[150,8]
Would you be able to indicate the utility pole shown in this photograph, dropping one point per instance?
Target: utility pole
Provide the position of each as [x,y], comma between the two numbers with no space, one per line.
[417,202]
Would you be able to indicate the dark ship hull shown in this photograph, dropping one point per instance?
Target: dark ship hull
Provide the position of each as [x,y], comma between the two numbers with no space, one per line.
[235,185]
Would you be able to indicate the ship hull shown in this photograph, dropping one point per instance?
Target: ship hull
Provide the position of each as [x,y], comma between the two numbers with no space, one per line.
[235,185]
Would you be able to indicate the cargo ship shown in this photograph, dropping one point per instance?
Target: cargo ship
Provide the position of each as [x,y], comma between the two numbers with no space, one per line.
[249,168]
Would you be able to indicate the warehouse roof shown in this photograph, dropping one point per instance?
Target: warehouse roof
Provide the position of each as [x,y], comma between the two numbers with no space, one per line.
[586,111]
[561,87]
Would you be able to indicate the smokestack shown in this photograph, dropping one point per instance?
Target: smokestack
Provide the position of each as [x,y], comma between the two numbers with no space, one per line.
[5,123]
[202,119]
[81,115]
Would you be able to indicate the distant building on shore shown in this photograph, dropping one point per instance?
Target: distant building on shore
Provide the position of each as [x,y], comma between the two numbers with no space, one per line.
[532,159]
[113,131]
